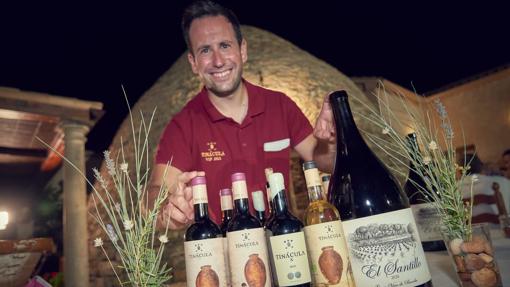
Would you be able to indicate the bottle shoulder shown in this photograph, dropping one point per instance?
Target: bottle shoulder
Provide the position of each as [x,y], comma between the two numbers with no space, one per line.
[285,224]
[243,221]
[202,230]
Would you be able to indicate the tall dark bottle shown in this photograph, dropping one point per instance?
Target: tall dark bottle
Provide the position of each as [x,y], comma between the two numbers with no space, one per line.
[203,246]
[427,218]
[267,224]
[378,223]
[247,249]
[259,206]
[288,245]
[227,212]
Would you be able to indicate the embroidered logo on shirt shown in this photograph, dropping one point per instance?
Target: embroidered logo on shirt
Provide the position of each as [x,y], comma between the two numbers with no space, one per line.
[212,153]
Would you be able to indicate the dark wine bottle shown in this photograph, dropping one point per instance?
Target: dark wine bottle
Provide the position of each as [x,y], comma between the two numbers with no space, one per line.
[203,246]
[378,223]
[247,249]
[267,225]
[427,218]
[227,210]
[288,245]
[259,206]
[226,215]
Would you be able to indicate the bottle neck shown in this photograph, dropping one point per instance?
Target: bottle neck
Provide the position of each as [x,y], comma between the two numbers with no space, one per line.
[280,203]
[347,132]
[315,193]
[241,206]
[201,211]
[227,214]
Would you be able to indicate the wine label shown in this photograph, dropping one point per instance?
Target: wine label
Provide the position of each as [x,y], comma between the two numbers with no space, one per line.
[205,265]
[428,221]
[290,259]
[385,250]
[329,257]
[199,194]
[312,177]
[225,257]
[239,189]
[226,202]
[247,251]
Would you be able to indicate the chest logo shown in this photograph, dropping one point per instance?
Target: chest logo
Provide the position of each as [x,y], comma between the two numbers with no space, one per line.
[212,153]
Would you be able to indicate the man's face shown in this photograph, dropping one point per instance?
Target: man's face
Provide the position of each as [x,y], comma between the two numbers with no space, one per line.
[216,56]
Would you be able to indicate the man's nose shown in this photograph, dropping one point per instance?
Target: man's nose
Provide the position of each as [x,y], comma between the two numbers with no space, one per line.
[218,59]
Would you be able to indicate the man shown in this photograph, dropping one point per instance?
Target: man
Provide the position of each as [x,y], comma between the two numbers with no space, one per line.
[230,126]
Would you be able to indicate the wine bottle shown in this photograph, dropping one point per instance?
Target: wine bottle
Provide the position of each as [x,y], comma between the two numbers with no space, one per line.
[226,216]
[329,257]
[226,209]
[382,236]
[325,185]
[203,246]
[247,250]
[427,218]
[268,171]
[259,206]
[288,245]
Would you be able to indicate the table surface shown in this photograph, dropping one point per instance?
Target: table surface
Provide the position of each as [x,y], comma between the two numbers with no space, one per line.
[442,270]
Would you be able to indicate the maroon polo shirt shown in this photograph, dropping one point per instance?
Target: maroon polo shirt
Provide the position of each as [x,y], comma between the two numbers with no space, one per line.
[200,138]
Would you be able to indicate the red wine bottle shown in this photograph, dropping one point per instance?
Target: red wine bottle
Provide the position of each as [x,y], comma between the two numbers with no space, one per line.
[203,246]
[259,206]
[382,236]
[247,249]
[226,215]
[427,217]
[288,245]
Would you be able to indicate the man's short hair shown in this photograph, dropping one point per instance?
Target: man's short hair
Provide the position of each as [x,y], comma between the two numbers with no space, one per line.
[199,9]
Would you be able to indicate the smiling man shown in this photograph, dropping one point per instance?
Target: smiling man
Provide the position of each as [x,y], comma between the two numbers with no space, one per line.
[230,126]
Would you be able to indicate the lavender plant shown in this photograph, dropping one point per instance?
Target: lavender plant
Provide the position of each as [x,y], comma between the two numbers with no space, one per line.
[435,165]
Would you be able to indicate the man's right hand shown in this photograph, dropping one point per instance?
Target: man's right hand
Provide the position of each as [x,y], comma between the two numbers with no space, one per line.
[178,212]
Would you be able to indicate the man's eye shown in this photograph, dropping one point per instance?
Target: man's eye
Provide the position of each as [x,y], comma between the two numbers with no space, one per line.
[204,51]
[224,45]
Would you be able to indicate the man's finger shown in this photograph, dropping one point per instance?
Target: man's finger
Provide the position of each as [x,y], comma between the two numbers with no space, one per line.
[188,193]
[184,206]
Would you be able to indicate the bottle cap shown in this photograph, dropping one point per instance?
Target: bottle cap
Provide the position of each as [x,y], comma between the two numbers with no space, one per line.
[276,183]
[225,191]
[258,200]
[326,177]
[309,165]
[198,180]
[238,176]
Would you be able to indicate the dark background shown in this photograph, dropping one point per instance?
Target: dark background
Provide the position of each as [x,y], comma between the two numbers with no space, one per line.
[87,50]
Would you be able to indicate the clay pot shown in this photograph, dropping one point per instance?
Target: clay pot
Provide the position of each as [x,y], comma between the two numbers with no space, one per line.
[255,271]
[331,264]
[207,277]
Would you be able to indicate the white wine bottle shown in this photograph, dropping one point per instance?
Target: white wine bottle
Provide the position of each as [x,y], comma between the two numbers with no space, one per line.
[329,257]
[383,240]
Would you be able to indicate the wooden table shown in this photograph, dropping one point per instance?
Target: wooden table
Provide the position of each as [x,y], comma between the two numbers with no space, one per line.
[443,273]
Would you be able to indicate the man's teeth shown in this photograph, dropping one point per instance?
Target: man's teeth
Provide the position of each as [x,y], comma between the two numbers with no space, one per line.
[221,74]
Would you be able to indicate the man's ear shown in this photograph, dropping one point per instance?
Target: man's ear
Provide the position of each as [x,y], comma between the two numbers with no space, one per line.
[191,60]
[244,51]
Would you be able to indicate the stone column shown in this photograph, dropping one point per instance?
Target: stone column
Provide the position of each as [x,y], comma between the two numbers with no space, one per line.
[76,243]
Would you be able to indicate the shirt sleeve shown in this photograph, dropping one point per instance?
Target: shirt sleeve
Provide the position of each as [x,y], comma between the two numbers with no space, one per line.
[174,146]
[298,125]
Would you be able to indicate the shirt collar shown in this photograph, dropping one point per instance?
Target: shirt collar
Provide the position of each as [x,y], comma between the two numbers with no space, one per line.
[256,102]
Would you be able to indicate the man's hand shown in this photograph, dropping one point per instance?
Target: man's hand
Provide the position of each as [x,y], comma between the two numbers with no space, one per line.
[178,212]
[325,133]
[324,129]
